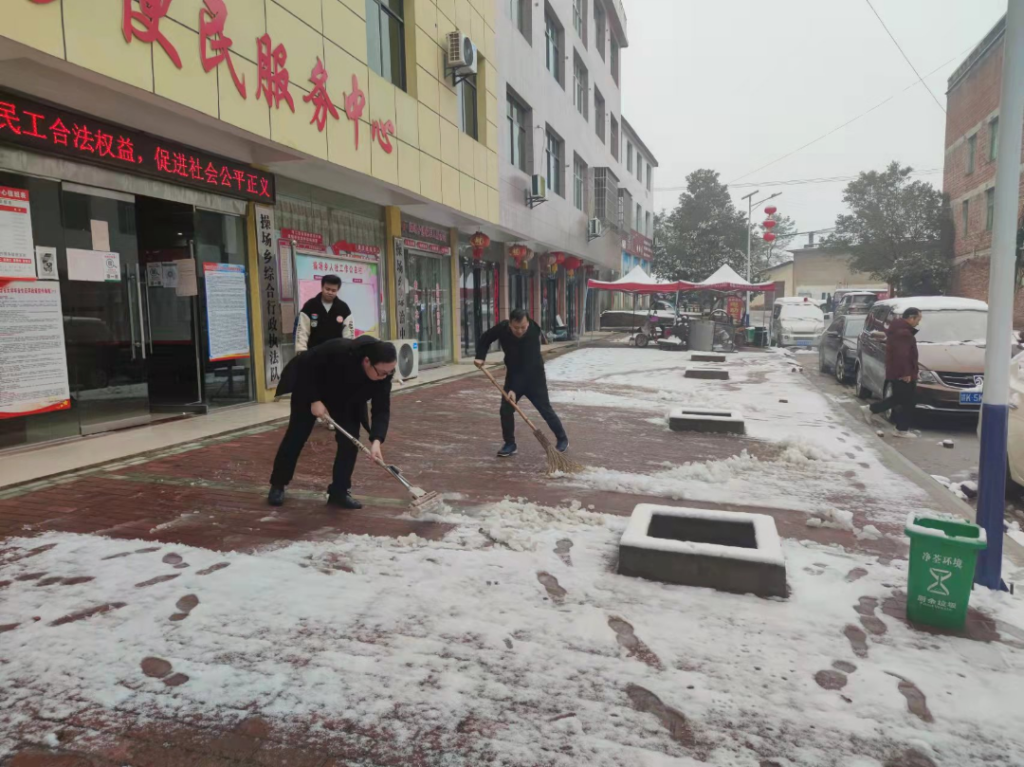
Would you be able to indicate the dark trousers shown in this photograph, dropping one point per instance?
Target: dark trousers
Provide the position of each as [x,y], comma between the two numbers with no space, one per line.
[300,426]
[537,393]
[901,402]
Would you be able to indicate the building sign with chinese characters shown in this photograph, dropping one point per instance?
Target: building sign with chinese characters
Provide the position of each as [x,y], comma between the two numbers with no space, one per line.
[421,230]
[270,300]
[637,245]
[305,240]
[355,250]
[42,128]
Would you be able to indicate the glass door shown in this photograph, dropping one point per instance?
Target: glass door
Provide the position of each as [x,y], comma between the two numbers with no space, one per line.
[428,306]
[104,310]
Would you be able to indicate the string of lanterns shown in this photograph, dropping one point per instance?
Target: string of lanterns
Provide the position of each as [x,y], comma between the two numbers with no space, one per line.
[770,223]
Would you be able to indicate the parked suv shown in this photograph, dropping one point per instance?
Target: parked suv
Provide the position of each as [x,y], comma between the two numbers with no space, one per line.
[950,344]
[858,302]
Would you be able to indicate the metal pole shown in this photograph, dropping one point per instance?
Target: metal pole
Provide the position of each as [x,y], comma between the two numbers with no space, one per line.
[750,212]
[995,408]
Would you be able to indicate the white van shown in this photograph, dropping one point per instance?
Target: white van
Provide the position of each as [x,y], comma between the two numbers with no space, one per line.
[797,322]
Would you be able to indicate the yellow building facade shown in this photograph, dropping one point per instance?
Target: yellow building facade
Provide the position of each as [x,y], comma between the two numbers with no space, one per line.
[381,163]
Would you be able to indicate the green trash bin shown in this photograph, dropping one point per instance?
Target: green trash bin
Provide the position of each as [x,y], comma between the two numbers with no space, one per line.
[942,557]
[751,335]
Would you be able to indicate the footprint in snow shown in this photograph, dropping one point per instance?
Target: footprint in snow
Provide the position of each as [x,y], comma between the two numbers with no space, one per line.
[136,551]
[917,703]
[628,640]
[158,668]
[185,605]
[550,583]
[858,640]
[562,550]
[866,610]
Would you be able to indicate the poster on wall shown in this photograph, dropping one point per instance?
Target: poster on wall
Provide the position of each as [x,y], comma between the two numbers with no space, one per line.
[359,286]
[170,274]
[93,265]
[402,288]
[187,284]
[227,312]
[270,303]
[155,274]
[34,376]
[17,257]
[46,263]
[284,267]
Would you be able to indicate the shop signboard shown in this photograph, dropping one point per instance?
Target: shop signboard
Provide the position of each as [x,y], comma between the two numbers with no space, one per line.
[304,240]
[227,312]
[17,257]
[270,302]
[401,287]
[359,286]
[734,308]
[43,128]
[34,374]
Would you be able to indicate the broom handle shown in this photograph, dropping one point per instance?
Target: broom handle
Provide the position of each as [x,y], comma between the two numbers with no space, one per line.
[358,443]
[508,399]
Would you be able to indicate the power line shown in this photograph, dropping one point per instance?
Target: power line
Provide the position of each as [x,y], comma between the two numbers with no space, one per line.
[905,57]
[851,120]
[795,181]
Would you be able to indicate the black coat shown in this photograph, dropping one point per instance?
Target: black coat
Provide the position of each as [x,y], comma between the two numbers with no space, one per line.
[333,373]
[524,361]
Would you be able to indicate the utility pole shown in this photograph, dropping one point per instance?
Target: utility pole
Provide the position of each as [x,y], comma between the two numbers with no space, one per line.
[750,212]
[995,407]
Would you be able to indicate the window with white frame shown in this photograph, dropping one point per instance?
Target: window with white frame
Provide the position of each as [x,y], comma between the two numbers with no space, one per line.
[600,27]
[517,116]
[553,36]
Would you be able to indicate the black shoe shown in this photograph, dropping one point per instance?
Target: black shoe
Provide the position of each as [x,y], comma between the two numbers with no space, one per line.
[562,445]
[507,450]
[276,495]
[345,501]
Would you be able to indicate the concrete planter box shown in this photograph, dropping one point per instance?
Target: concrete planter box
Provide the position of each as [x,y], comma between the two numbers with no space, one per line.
[723,550]
[707,421]
[712,374]
[707,357]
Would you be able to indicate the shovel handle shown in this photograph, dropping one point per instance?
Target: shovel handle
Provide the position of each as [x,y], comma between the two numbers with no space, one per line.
[508,399]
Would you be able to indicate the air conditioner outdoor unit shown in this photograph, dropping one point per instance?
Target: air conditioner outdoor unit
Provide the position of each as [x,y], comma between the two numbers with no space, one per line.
[408,358]
[461,54]
[594,228]
[539,187]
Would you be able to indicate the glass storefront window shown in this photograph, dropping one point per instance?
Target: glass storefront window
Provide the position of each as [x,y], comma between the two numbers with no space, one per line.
[479,299]
[428,303]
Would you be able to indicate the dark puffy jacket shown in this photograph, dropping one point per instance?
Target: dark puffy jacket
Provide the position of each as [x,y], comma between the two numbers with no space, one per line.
[900,351]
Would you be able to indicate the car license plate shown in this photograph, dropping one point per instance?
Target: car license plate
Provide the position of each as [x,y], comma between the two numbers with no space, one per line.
[970,397]
[803,342]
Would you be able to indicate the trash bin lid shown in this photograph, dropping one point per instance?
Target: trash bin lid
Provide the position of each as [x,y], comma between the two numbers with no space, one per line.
[960,532]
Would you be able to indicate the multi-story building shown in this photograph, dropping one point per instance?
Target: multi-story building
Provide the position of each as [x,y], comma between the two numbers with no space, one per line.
[969,176]
[186,172]
[559,77]
[814,273]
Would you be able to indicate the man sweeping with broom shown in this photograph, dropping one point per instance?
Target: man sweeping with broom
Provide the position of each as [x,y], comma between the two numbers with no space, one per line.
[337,378]
[519,337]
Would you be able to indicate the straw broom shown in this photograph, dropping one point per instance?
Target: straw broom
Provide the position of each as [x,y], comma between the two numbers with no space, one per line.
[557,462]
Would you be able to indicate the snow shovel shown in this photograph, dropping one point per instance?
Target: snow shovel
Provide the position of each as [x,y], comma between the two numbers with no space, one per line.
[421,499]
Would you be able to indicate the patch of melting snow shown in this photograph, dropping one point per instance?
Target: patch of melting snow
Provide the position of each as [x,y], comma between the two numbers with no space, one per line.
[491,623]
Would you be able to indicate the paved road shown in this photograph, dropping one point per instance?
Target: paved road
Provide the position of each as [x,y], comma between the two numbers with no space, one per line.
[959,463]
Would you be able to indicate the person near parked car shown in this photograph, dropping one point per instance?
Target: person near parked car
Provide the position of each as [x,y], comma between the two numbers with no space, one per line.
[901,371]
[323,317]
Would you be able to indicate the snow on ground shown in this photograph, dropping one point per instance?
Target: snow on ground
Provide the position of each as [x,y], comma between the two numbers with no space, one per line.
[819,464]
[554,659]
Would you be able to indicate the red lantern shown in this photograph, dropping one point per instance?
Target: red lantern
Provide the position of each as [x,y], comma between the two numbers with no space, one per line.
[558,257]
[479,241]
[768,236]
[770,209]
[572,263]
[771,222]
[517,252]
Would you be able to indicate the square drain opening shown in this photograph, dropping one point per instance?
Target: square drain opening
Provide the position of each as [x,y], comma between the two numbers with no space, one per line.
[721,533]
[725,550]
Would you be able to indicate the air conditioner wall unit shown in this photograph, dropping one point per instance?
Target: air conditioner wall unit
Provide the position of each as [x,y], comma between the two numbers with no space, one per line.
[539,187]
[594,228]
[461,55]
[408,358]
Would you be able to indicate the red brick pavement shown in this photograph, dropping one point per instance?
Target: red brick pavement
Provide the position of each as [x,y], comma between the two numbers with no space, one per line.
[212,495]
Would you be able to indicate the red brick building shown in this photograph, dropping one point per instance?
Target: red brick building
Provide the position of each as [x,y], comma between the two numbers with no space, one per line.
[969,175]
